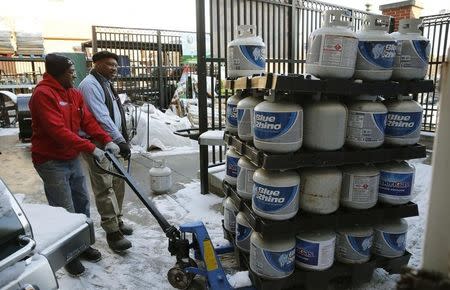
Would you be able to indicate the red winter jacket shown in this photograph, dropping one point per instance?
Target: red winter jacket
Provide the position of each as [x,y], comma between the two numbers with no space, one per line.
[57,116]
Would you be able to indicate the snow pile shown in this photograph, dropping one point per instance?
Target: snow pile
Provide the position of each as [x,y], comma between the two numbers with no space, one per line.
[157,128]
[239,279]
[9,132]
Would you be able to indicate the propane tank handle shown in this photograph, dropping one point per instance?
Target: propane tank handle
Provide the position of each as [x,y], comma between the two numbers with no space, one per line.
[338,19]
[411,25]
[246,30]
[376,22]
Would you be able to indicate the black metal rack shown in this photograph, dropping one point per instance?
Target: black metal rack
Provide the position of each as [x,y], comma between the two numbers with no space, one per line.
[307,221]
[308,84]
[309,158]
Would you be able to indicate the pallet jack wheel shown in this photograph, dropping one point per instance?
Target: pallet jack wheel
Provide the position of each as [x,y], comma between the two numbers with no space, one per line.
[179,278]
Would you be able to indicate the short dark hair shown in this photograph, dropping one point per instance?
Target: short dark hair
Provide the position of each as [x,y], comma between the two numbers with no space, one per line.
[104,54]
[56,65]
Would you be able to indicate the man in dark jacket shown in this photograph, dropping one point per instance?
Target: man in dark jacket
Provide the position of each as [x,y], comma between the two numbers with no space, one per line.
[58,113]
[104,103]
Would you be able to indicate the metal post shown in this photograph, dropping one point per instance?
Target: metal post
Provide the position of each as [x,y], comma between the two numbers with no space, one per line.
[162,95]
[292,35]
[202,101]
[94,39]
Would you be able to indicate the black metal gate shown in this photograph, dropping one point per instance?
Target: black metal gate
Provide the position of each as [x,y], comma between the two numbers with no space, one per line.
[284,26]
[436,28]
[149,60]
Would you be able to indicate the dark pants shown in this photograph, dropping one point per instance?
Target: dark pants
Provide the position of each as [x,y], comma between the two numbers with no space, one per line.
[65,185]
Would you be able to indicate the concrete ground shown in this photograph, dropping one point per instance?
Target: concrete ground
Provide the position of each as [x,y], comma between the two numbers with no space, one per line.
[18,173]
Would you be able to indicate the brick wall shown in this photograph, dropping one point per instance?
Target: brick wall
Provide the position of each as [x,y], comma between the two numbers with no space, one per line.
[402,10]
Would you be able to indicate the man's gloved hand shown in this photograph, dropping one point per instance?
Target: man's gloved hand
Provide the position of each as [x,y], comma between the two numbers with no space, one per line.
[99,154]
[113,148]
[125,150]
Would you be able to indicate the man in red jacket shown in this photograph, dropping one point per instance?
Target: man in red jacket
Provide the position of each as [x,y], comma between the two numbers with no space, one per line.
[58,113]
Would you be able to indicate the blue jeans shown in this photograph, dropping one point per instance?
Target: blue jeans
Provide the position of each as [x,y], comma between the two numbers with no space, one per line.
[65,185]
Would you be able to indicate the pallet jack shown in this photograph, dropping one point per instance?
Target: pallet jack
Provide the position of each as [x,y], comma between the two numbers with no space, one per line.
[185,269]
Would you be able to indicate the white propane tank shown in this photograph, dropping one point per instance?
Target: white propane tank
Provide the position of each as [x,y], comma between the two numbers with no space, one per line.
[243,232]
[278,127]
[320,189]
[275,194]
[230,210]
[244,184]
[245,117]
[160,177]
[231,166]
[390,238]
[404,121]
[231,113]
[315,250]
[353,245]
[396,182]
[272,256]
[332,48]
[359,186]
[376,49]
[246,53]
[366,122]
[413,51]
[325,124]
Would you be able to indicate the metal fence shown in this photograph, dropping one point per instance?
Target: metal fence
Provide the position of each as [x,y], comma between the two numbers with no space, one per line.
[20,71]
[436,28]
[149,60]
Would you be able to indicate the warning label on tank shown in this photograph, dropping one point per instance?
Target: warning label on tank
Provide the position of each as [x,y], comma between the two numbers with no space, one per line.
[366,126]
[332,50]
[412,54]
[359,189]
[244,122]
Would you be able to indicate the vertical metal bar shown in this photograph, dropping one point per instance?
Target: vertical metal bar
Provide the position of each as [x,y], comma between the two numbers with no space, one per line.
[94,39]
[202,101]
[211,68]
[162,102]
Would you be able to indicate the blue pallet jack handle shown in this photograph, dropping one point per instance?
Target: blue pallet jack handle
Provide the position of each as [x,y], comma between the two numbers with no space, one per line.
[214,273]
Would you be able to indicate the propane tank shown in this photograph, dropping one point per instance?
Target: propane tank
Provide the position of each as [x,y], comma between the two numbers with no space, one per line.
[315,250]
[320,189]
[376,49]
[231,114]
[332,48]
[413,51]
[243,232]
[160,177]
[245,118]
[278,127]
[275,194]
[231,165]
[230,210]
[359,186]
[325,124]
[404,121]
[353,245]
[246,54]
[244,184]
[366,122]
[390,238]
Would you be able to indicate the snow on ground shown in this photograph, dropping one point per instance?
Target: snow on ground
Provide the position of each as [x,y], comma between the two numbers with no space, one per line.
[9,131]
[145,266]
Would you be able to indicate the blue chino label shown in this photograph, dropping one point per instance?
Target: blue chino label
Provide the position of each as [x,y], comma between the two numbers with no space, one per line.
[422,48]
[403,124]
[307,252]
[396,184]
[243,232]
[395,241]
[232,114]
[269,125]
[281,261]
[380,121]
[378,53]
[273,199]
[254,54]
[232,167]
[361,245]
